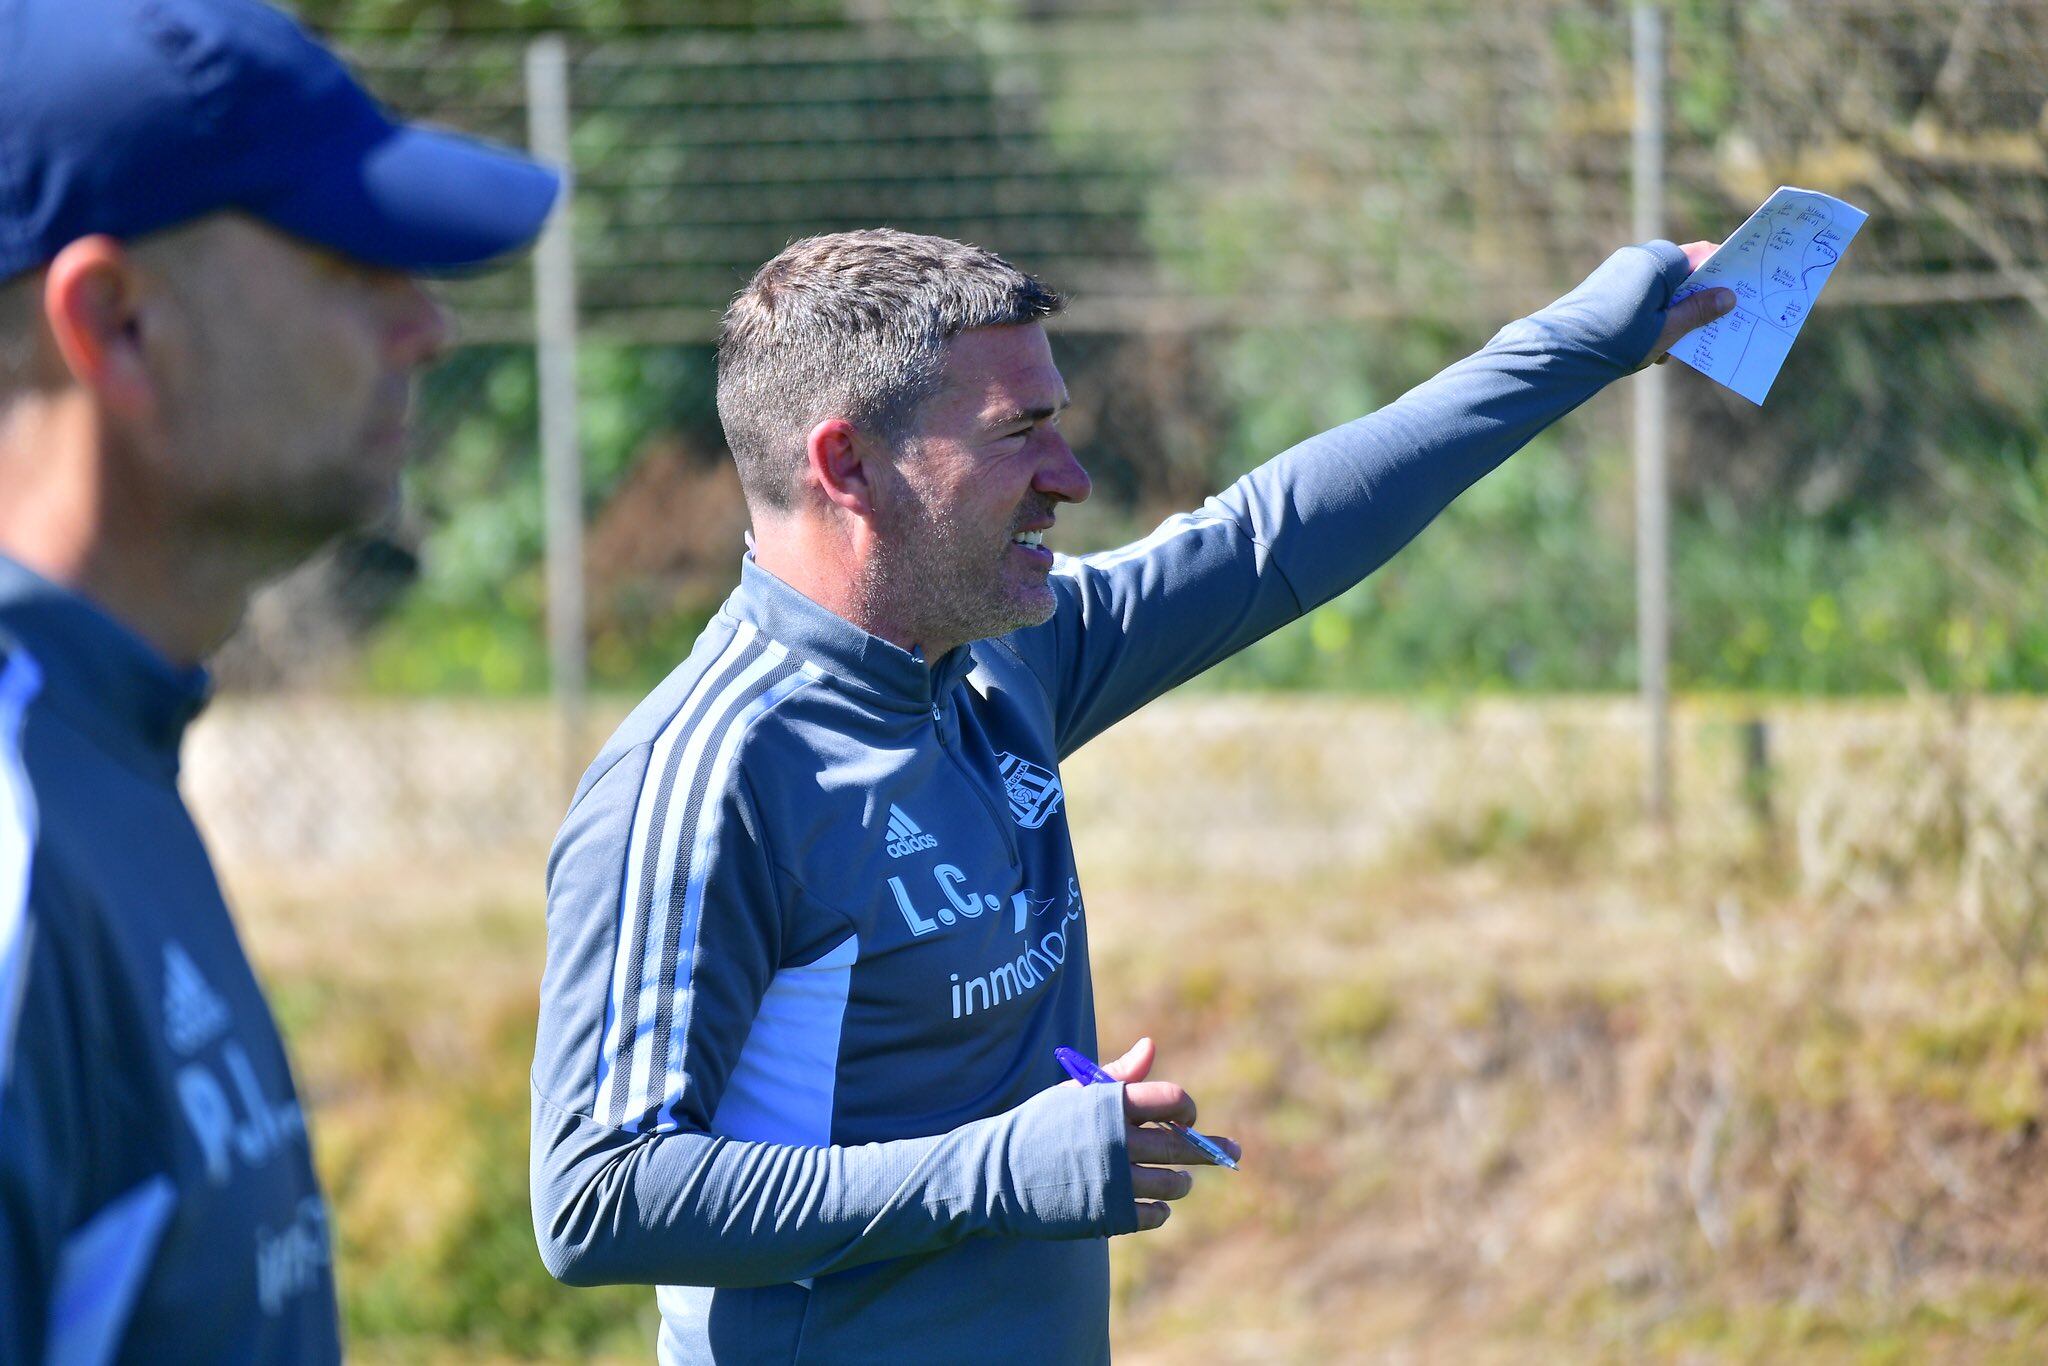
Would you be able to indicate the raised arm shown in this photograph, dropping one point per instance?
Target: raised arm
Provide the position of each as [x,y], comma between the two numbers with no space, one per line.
[1315,520]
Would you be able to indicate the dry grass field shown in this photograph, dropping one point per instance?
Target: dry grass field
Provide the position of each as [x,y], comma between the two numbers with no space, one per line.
[1518,1079]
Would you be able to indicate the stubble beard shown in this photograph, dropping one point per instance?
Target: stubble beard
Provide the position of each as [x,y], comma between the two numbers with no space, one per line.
[940,583]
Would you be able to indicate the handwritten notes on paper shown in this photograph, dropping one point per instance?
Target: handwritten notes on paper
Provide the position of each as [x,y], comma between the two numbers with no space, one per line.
[1776,263]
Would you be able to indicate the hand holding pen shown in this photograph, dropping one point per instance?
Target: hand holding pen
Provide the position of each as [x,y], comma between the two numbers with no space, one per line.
[1154,1152]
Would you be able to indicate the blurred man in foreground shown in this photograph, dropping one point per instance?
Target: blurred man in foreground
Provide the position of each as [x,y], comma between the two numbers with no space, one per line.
[814,928]
[209,329]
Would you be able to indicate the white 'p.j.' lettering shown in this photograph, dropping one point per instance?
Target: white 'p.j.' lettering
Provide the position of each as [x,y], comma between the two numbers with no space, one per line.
[206,1110]
[254,1134]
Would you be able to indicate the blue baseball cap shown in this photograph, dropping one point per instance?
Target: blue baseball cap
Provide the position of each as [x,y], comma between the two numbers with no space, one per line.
[128,116]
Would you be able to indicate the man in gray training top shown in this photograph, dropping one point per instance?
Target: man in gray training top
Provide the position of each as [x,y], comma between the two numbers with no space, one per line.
[209,327]
[814,928]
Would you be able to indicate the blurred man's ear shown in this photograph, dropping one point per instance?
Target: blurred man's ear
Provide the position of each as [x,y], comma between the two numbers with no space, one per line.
[92,299]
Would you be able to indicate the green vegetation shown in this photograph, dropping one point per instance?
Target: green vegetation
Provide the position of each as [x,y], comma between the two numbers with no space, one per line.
[1992,1324]
[411,1023]
[1525,584]
[1878,529]
[474,1277]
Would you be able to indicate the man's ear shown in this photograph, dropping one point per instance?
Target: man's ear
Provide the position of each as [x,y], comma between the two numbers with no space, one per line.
[92,302]
[837,460]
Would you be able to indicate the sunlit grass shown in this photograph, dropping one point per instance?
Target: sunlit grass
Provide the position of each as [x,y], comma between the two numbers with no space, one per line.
[1518,1081]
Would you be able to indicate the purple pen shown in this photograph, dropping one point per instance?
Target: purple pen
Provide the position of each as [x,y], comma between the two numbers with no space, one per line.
[1084,1070]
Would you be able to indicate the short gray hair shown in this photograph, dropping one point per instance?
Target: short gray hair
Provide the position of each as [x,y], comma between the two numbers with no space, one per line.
[852,325]
[20,331]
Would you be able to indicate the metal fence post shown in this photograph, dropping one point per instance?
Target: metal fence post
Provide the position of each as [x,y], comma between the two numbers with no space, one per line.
[1653,515]
[554,293]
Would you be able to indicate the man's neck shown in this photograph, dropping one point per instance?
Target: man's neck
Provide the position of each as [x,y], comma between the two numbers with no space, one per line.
[186,602]
[819,561]
[65,513]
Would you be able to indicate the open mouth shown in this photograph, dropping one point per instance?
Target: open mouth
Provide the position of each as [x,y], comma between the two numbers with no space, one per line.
[1031,538]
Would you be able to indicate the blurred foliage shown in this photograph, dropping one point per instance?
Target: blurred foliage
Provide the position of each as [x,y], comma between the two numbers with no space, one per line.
[1528,582]
[475,1279]
[1874,529]
[596,17]
[429,646]
[414,1041]
[474,623]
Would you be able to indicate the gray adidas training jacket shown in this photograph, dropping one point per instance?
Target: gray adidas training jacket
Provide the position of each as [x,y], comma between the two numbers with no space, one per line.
[814,927]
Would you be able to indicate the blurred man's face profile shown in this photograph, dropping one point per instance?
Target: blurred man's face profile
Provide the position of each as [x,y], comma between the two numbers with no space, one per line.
[285,375]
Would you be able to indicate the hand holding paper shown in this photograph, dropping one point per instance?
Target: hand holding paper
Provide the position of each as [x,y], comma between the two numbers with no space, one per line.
[1776,263]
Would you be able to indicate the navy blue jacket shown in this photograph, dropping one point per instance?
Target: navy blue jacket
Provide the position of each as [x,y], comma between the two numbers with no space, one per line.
[157,1197]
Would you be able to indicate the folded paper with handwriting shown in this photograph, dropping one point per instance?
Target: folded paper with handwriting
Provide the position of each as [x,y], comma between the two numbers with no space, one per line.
[1776,263]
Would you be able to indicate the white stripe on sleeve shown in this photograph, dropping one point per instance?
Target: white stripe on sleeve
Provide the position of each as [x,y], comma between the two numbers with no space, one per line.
[99,1271]
[19,682]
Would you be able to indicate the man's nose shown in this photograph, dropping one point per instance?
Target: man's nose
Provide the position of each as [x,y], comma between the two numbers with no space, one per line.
[420,325]
[1060,475]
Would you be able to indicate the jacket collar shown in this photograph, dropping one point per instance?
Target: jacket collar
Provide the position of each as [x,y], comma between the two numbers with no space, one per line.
[99,675]
[891,675]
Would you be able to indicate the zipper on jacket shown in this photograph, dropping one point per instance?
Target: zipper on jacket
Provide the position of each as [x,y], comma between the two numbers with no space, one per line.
[999,816]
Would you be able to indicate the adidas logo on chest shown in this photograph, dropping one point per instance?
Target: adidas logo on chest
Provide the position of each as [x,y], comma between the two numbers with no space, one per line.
[905,836]
[194,1016]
